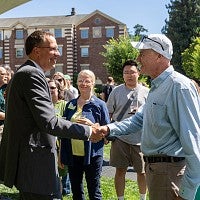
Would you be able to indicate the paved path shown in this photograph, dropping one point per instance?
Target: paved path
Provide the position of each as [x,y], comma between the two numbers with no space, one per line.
[109,171]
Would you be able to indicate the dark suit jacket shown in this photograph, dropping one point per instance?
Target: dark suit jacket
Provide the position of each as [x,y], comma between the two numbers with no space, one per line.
[28,151]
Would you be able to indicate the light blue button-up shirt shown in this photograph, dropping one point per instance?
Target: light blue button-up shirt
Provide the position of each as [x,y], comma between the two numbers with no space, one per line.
[170,121]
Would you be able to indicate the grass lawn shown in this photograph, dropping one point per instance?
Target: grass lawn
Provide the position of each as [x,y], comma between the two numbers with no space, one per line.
[107,187]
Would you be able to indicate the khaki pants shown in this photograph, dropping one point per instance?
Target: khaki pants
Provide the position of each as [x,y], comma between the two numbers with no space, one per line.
[163,179]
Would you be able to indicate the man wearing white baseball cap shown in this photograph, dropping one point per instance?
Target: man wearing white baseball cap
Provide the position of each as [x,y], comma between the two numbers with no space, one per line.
[170,123]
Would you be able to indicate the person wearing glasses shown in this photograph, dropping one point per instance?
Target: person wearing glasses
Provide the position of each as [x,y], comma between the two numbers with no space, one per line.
[170,123]
[57,94]
[70,92]
[70,87]
[28,157]
[125,149]
[3,85]
[85,157]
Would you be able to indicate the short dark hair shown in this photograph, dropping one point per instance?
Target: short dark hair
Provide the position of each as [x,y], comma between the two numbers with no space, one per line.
[35,39]
[130,62]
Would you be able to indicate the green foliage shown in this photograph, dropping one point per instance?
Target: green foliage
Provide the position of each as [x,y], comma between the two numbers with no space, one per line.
[117,52]
[107,186]
[191,60]
[182,26]
[139,29]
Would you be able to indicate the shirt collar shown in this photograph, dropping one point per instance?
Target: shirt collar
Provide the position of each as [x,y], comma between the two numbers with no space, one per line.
[38,66]
[158,80]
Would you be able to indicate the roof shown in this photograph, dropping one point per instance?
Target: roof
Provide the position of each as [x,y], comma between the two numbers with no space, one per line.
[49,21]
[41,21]
[101,13]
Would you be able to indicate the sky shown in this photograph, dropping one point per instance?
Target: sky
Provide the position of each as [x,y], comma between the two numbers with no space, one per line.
[151,14]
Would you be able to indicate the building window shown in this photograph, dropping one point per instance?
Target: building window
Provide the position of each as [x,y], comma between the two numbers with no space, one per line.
[1,53]
[19,53]
[19,34]
[84,66]
[84,51]
[58,32]
[109,32]
[1,35]
[97,21]
[60,49]
[97,32]
[84,33]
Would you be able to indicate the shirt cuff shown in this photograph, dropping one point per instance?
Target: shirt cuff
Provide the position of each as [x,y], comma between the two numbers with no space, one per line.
[187,193]
[90,132]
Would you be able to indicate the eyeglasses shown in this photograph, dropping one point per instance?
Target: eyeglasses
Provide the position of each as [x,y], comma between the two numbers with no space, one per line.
[52,88]
[51,48]
[144,38]
[59,80]
[129,72]
[87,82]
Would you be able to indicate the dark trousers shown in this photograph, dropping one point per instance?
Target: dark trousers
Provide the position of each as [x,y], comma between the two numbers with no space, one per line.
[66,185]
[92,176]
[31,196]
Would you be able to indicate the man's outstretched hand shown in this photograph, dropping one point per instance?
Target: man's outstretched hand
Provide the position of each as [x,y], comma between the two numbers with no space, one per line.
[98,132]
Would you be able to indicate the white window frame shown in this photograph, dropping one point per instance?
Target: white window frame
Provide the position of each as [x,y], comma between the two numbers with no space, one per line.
[97,32]
[59,33]
[19,34]
[110,34]
[84,33]
[19,52]
[84,52]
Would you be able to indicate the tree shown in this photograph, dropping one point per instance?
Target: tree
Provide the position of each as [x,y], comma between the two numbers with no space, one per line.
[117,51]
[184,19]
[139,29]
[191,60]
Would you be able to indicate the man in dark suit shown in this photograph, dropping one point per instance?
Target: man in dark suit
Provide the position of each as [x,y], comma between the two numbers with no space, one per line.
[28,149]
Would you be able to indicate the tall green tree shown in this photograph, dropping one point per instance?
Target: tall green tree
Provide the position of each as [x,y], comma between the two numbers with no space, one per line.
[182,26]
[191,60]
[139,29]
[117,51]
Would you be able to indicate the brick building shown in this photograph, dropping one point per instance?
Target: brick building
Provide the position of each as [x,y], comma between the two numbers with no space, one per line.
[80,39]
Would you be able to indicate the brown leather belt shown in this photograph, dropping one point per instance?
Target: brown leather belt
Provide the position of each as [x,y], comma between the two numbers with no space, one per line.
[155,159]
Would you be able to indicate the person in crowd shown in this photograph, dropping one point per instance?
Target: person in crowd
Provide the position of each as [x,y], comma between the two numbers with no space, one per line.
[3,84]
[28,157]
[57,94]
[10,72]
[107,89]
[170,123]
[123,102]
[70,92]
[84,157]
[70,87]
[196,85]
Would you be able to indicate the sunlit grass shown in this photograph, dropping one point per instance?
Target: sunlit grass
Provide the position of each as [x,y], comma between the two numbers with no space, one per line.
[107,187]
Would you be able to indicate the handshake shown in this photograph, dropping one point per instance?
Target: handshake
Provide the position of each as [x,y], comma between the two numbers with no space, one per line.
[98,132]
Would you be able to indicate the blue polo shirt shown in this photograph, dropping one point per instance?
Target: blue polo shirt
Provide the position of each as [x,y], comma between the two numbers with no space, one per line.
[170,123]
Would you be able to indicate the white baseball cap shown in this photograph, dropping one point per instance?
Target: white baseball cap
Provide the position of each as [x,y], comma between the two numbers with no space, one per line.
[158,42]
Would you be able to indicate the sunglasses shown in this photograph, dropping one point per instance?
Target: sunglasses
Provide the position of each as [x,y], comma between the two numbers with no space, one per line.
[59,80]
[52,88]
[145,38]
